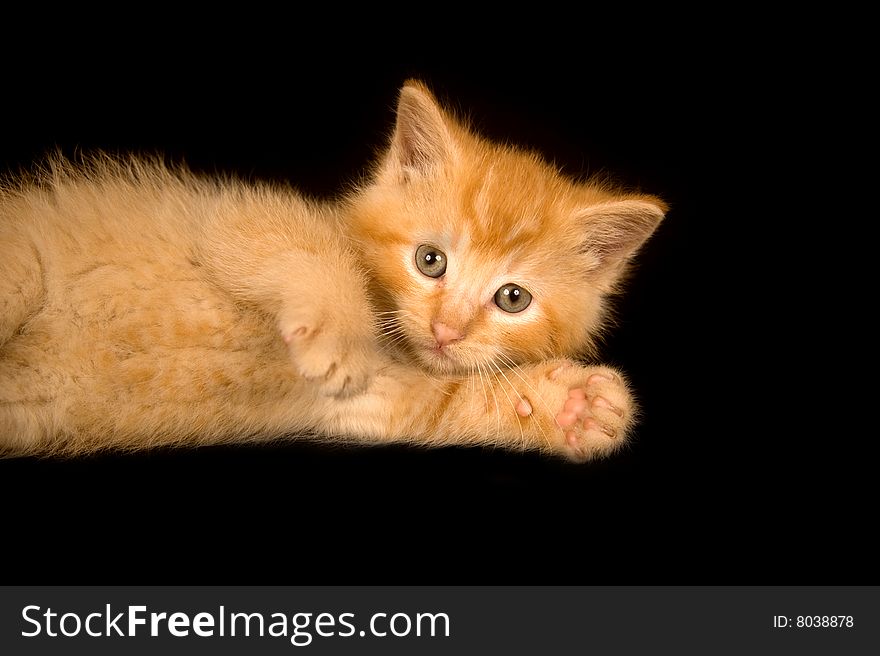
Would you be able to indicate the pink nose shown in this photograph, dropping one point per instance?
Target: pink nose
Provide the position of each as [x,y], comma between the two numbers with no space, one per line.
[444,334]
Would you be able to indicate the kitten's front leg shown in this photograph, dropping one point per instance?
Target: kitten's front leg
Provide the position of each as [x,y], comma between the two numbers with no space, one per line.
[580,412]
[559,407]
[326,322]
[289,258]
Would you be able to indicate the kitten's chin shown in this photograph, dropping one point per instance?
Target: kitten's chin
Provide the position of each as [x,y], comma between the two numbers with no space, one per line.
[442,362]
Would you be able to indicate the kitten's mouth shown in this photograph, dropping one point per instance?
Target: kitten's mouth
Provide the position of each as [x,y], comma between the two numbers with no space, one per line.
[439,354]
[440,358]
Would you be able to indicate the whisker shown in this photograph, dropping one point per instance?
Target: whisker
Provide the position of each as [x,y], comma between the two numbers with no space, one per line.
[512,404]
[485,396]
[498,437]
[388,341]
[393,331]
[514,367]
[483,386]
[497,410]
[384,312]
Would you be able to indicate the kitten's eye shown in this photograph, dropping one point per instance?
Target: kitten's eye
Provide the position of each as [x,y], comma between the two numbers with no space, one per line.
[512,298]
[431,261]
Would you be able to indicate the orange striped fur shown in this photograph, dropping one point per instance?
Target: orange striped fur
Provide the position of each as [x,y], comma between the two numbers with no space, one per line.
[142,305]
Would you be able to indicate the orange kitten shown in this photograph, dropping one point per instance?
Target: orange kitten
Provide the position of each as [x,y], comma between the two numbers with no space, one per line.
[441,303]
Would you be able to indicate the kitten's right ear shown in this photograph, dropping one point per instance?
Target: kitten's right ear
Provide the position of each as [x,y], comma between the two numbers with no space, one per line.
[614,231]
[422,141]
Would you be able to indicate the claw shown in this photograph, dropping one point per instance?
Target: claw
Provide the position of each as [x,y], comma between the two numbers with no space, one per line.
[592,424]
[553,375]
[602,402]
[595,378]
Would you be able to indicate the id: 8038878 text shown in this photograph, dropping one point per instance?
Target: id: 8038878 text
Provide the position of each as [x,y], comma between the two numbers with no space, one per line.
[813,622]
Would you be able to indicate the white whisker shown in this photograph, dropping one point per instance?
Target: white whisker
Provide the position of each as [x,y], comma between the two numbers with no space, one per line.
[514,367]
[498,436]
[512,404]
[497,410]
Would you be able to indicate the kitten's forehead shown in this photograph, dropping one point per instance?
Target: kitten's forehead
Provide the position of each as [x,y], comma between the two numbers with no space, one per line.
[512,200]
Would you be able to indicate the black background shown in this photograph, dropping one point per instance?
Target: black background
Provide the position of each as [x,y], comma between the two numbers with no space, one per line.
[714,489]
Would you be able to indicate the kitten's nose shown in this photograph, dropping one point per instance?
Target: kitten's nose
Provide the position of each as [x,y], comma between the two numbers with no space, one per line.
[444,334]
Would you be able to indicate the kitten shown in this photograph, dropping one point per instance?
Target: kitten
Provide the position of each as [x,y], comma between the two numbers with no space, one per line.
[441,303]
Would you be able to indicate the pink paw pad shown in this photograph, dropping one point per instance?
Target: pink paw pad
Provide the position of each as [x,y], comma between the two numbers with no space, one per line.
[577,408]
[574,408]
[592,416]
[523,408]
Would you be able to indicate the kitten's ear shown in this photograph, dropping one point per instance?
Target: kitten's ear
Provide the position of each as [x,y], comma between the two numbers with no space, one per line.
[421,140]
[614,231]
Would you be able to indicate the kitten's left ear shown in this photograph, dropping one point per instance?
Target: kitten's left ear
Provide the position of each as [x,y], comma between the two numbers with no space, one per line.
[614,231]
[422,140]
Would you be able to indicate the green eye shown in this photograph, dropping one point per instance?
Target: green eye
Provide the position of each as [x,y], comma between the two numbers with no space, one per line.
[430,260]
[512,298]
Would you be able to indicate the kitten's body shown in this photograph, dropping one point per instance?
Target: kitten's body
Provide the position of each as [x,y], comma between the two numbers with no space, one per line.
[142,306]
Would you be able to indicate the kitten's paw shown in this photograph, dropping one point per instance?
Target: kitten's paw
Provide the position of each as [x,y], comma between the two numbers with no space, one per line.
[594,410]
[339,363]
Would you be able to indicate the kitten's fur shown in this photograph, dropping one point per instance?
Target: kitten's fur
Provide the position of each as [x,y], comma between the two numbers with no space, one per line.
[142,306]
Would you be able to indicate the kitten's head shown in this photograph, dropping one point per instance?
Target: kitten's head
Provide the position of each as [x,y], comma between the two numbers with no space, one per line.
[483,253]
